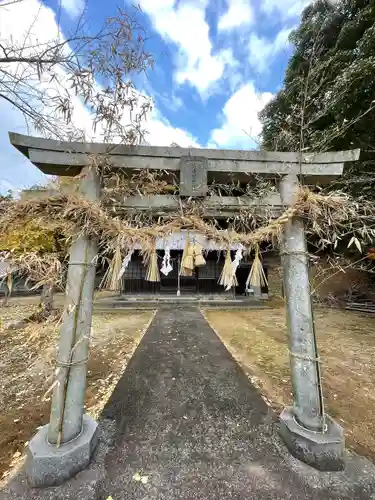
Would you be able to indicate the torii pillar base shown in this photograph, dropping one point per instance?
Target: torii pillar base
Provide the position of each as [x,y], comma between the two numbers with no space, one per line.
[322,450]
[49,465]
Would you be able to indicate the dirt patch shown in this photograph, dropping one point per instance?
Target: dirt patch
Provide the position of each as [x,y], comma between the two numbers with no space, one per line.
[27,366]
[346,341]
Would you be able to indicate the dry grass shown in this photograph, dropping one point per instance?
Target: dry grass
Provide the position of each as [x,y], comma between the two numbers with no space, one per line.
[27,365]
[346,341]
[327,216]
[328,219]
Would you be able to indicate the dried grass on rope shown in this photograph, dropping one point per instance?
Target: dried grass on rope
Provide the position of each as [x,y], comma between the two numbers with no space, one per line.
[327,216]
[40,269]
[332,217]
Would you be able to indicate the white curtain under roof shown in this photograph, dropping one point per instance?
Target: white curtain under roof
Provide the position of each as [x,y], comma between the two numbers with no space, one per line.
[176,241]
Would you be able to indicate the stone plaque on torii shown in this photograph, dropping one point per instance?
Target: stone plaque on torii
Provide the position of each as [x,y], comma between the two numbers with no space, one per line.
[309,434]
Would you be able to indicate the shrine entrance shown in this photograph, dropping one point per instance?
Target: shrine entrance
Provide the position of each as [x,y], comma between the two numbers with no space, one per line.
[203,282]
[199,180]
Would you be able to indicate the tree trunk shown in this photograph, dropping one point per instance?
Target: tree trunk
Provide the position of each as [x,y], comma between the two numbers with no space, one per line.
[46,299]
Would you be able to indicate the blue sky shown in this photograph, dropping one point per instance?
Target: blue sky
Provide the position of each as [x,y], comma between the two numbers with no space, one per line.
[217,63]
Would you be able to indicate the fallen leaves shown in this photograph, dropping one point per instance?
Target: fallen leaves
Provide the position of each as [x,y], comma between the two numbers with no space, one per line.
[140,479]
[27,369]
[258,340]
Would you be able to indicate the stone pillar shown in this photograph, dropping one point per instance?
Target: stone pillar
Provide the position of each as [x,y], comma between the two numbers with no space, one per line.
[309,434]
[64,447]
[305,372]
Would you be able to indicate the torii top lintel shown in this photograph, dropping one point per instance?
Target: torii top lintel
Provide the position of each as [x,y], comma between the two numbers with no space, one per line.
[68,158]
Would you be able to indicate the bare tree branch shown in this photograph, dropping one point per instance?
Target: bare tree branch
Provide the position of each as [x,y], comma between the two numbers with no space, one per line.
[46,80]
[11,2]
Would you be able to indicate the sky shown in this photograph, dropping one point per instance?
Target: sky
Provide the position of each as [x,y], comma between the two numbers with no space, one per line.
[217,64]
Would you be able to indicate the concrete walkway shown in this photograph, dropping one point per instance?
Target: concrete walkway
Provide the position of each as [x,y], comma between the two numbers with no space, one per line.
[187,417]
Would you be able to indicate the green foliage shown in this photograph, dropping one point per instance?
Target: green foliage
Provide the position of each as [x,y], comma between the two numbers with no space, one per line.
[28,237]
[328,98]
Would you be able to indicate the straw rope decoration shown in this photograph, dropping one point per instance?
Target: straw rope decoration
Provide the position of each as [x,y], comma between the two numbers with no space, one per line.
[228,277]
[71,212]
[257,275]
[39,269]
[199,260]
[111,279]
[151,260]
[187,263]
[327,217]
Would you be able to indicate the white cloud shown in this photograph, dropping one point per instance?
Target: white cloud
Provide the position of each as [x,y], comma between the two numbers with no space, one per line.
[185,25]
[161,133]
[239,12]
[32,22]
[284,8]
[287,9]
[73,7]
[262,51]
[26,24]
[16,172]
[240,119]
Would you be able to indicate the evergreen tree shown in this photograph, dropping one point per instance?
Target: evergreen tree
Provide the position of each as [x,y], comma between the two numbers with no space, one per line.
[327,102]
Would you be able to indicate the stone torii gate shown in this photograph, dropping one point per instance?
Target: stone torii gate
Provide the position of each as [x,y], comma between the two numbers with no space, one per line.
[65,445]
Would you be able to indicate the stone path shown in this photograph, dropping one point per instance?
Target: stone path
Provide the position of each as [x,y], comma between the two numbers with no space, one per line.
[187,417]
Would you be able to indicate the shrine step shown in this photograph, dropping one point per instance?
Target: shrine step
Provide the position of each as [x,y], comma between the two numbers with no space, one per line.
[167,302]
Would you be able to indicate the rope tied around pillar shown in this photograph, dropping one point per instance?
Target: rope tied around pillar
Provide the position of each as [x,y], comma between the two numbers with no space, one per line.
[305,357]
[68,364]
[294,252]
[85,264]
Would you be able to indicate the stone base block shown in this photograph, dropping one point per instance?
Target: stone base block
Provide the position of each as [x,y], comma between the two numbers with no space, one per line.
[324,451]
[47,465]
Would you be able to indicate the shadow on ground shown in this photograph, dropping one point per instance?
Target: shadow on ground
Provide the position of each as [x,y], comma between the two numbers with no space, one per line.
[185,416]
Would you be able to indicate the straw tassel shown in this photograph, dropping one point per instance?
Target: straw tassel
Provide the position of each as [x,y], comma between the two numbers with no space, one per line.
[152,273]
[257,275]
[199,260]
[228,277]
[187,261]
[111,278]
[189,258]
